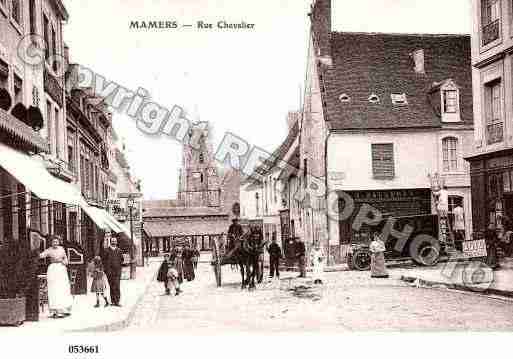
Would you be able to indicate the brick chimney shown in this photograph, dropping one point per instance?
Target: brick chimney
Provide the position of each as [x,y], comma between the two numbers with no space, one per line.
[320,18]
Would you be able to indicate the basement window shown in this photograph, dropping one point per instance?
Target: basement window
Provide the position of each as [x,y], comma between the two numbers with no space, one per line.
[373,98]
[399,99]
[344,98]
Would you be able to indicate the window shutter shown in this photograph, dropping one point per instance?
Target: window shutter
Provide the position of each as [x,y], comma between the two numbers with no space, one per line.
[383,161]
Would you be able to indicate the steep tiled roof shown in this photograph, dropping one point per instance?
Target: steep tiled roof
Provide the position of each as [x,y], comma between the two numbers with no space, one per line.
[182,212]
[367,63]
[278,155]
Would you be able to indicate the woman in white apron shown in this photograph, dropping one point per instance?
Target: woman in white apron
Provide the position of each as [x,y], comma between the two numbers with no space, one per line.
[59,289]
[317,257]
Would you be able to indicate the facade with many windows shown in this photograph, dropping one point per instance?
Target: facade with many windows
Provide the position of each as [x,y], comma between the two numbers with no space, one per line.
[383,115]
[491,156]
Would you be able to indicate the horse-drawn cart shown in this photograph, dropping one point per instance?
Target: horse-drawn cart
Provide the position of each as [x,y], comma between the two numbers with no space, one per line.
[234,253]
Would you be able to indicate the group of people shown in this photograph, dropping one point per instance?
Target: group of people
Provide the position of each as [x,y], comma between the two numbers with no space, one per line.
[178,265]
[60,299]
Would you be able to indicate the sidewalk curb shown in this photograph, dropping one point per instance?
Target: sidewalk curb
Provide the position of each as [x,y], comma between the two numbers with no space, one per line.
[477,290]
[122,323]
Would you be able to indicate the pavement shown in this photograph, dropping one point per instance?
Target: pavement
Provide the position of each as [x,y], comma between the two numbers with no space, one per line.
[467,276]
[347,301]
[86,318]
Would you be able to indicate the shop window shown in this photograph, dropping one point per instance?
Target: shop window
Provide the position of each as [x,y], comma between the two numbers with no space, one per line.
[490,21]
[493,108]
[450,154]
[454,201]
[35,213]
[383,160]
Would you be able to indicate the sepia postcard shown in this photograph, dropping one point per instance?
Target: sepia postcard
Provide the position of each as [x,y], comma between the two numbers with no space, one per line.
[277,167]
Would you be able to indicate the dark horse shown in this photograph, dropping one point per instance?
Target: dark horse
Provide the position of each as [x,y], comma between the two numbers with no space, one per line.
[245,252]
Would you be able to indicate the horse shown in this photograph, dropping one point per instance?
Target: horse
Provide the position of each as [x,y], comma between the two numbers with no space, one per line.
[245,252]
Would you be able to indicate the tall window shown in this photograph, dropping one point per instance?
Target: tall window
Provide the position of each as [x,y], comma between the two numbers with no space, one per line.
[383,160]
[305,172]
[257,204]
[71,152]
[54,48]
[49,118]
[490,21]
[450,154]
[46,30]
[35,213]
[493,107]
[57,134]
[32,16]
[450,101]
[16,11]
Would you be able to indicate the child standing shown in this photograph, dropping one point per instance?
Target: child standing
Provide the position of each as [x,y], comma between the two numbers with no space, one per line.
[173,279]
[98,285]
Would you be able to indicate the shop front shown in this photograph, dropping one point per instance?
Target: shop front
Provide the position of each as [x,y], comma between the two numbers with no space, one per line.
[390,203]
[492,193]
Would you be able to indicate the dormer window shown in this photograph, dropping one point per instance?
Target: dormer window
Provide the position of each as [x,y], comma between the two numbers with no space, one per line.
[399,99]
[344,98]
[450,98]
[373,98]
[450,102]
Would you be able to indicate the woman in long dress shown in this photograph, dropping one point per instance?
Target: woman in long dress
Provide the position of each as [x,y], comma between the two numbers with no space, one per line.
[318,261]
[59,289]
[377,248]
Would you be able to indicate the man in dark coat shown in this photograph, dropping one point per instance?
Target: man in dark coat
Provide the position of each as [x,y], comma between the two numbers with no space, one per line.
[300,255]
[188,267]
[163,270]
[113,261]
[234,233]
[274,258]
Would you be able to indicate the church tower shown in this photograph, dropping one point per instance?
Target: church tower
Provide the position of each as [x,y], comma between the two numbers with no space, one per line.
[199,181]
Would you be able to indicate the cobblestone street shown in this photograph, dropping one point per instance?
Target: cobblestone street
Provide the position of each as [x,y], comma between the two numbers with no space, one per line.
[348,301]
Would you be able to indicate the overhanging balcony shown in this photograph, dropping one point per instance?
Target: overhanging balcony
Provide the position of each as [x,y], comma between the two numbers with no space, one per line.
[11,126]
[53,88]
[491,32]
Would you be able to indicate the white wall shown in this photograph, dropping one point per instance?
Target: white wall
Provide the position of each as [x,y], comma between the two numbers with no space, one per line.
[350,160]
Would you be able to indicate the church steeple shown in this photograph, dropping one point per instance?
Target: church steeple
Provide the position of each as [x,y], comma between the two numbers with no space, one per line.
[199,182]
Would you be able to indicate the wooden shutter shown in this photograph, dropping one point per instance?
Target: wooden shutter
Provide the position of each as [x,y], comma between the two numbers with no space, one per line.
[383,161]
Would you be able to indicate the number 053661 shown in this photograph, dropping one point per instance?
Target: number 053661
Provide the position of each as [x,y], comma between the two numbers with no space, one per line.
[83,349]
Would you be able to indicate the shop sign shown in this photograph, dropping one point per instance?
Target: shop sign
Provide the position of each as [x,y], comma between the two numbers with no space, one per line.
[474,249]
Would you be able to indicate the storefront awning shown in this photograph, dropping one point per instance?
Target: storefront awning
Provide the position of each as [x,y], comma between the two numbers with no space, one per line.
[103,219]
[31,172]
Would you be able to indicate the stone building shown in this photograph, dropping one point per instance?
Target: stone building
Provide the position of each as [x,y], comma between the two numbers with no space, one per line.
[206,197]
[491,153]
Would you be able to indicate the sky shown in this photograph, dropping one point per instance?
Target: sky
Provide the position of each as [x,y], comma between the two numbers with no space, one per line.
[244,82]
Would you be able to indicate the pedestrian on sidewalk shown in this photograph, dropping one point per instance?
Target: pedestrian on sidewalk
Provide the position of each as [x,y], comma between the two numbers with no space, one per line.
[195,257]
[274,259]
[59,287]
[377,248]
[98,285]
[492,241]
[317,257]
[113,262]
[301,257]
[163,272]
[188,266]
